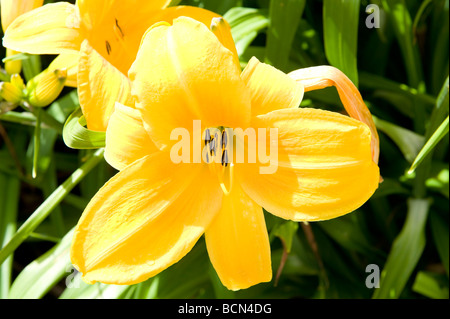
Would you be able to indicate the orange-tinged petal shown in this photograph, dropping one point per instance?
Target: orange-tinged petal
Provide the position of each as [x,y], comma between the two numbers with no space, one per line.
[50,29]
[325,167]
[270,88]
[319,77]
[126,139]
[100,86]
[11,9]
[94,13]
[144,219]
[183,73]
[68,61]
[115,28]
[238,244]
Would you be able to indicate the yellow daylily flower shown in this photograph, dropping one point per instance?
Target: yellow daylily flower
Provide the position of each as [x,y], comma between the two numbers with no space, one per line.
[10,10]
[101,37]
[151,213]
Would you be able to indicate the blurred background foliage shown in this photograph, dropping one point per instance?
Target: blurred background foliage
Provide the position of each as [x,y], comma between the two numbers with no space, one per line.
[401,69]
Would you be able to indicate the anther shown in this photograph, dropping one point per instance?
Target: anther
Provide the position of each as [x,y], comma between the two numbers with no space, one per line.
[224,139]
[212,147]
[225,158]
[120,29]
[108,48]
[207,136]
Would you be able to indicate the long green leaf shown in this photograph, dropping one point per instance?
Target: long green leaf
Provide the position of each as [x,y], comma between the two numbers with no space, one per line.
[245,25]
[49,204]
[431,285]
[405,252]
[440,232]
[340,28]
[39,276]
[284,17]
[407,141]
[430,145]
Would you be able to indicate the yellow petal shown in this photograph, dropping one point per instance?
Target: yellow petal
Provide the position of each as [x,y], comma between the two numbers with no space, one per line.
[50,29]
[238,244]
[13,66]
[325,168]
[115,28]
[11,9]
[143,220]
[94,13]
[126,138]
[319,77]
[183,73]
[212,20]
[270,88]
[68,61]
[100,86]
[220,27]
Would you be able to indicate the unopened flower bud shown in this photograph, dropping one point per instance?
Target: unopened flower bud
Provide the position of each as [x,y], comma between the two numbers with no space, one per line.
[10,92]
[13,66]
[44,88]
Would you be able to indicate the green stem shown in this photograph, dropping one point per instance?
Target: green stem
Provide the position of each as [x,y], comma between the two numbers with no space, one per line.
[37,142]
[9,212]
[49,204]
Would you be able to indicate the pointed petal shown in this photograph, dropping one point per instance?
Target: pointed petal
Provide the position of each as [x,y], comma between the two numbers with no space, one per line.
[270,88]
[320,77]
[325,168]
[143,220]
[68,61]
[238,243]
[50,29]
[11,9]
[100,86]
[212,20]
[183,73]
[126,139]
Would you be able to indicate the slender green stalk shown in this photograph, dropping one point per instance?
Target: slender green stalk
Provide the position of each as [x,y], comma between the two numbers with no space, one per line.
[37,142]
[49,204]
[9,226]
[24,118]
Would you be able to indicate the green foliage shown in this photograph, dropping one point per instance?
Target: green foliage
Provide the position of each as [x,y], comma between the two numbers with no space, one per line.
[51,164]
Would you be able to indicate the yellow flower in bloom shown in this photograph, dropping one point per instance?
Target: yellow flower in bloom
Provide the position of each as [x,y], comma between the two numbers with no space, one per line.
[154,210]
[10,10]
[101,37]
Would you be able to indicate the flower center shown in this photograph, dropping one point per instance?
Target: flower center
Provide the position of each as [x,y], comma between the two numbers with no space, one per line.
[216,153]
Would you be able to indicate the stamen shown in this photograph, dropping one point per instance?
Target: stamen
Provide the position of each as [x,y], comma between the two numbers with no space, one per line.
[212,147]
[207,136]
[216,147]
[224,139]
[108,47]
[120,29]
[225,158]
